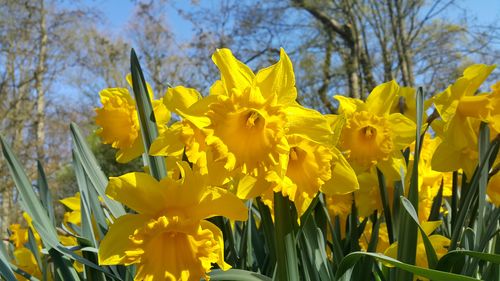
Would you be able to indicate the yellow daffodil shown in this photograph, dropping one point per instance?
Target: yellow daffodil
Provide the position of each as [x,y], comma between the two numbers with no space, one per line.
[119,123]
[368,198]
[382,238]
[25,260]
[248,119]
[458,106]
[187,135]
[344,179]
[485,107]
[19,235]
[429,180]
[75,215]
[372,136]
[168,238]
[70,241]
[252,125]
[339,205]
[23,257]
[439,243]
[314,163]
[493,189]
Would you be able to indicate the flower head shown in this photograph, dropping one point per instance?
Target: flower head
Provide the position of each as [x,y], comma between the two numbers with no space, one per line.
[119,123]
[168,238]
[75,215]
[382,238]
[372,136]
[438,242]
[25,260]
[248,118]
[461,112]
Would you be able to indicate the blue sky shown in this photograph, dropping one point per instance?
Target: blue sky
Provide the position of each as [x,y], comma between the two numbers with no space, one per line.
[118,12]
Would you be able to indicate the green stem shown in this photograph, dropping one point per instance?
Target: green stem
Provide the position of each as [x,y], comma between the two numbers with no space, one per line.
[286,252]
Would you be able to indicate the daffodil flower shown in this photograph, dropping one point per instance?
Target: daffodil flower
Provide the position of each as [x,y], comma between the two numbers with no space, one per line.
[168,238]
[119,123]
[248,118]
[493,189]
[438,242]
[25,260]
[75,215]
[372,135]
[23,257]
[461,112]
[382,239]
[429,180]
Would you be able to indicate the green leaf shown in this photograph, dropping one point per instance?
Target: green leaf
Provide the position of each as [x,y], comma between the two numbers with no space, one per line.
[245,251]
[237,275]
[407,236]
[429,250]
[45,195]
[269,234]
[484,143]
[86,216]
[338,254]
[30,200]
[33,247]
[437,202]
[468,196]
[385,204]
[84,155]
[146,118]
[431,274]
[286,251]
[312,245]
[63,268]
[52,242]
[447,261]
[23,273]
[5,269]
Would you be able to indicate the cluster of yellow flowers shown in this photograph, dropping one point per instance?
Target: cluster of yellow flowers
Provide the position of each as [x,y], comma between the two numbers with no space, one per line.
[249,137]
[24,258]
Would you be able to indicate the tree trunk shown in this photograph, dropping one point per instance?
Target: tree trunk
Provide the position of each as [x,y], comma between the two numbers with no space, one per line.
[398,42]
[40,91]
[405,48]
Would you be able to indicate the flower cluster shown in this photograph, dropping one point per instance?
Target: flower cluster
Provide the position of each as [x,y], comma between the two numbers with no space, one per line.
[250,137]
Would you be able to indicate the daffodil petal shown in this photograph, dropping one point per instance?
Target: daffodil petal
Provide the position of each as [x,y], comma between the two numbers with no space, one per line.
[278,79]
[162,114]
[168,143]
[403,130]
[72,202]
[220,239]
[180,98]
[139,191]
[216,201]
[125,155]
[309,123]
[380,100]
[116,247]
[393,168]
[343,179]
[445,159]
[430,226]
[348,105]
[234,73]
